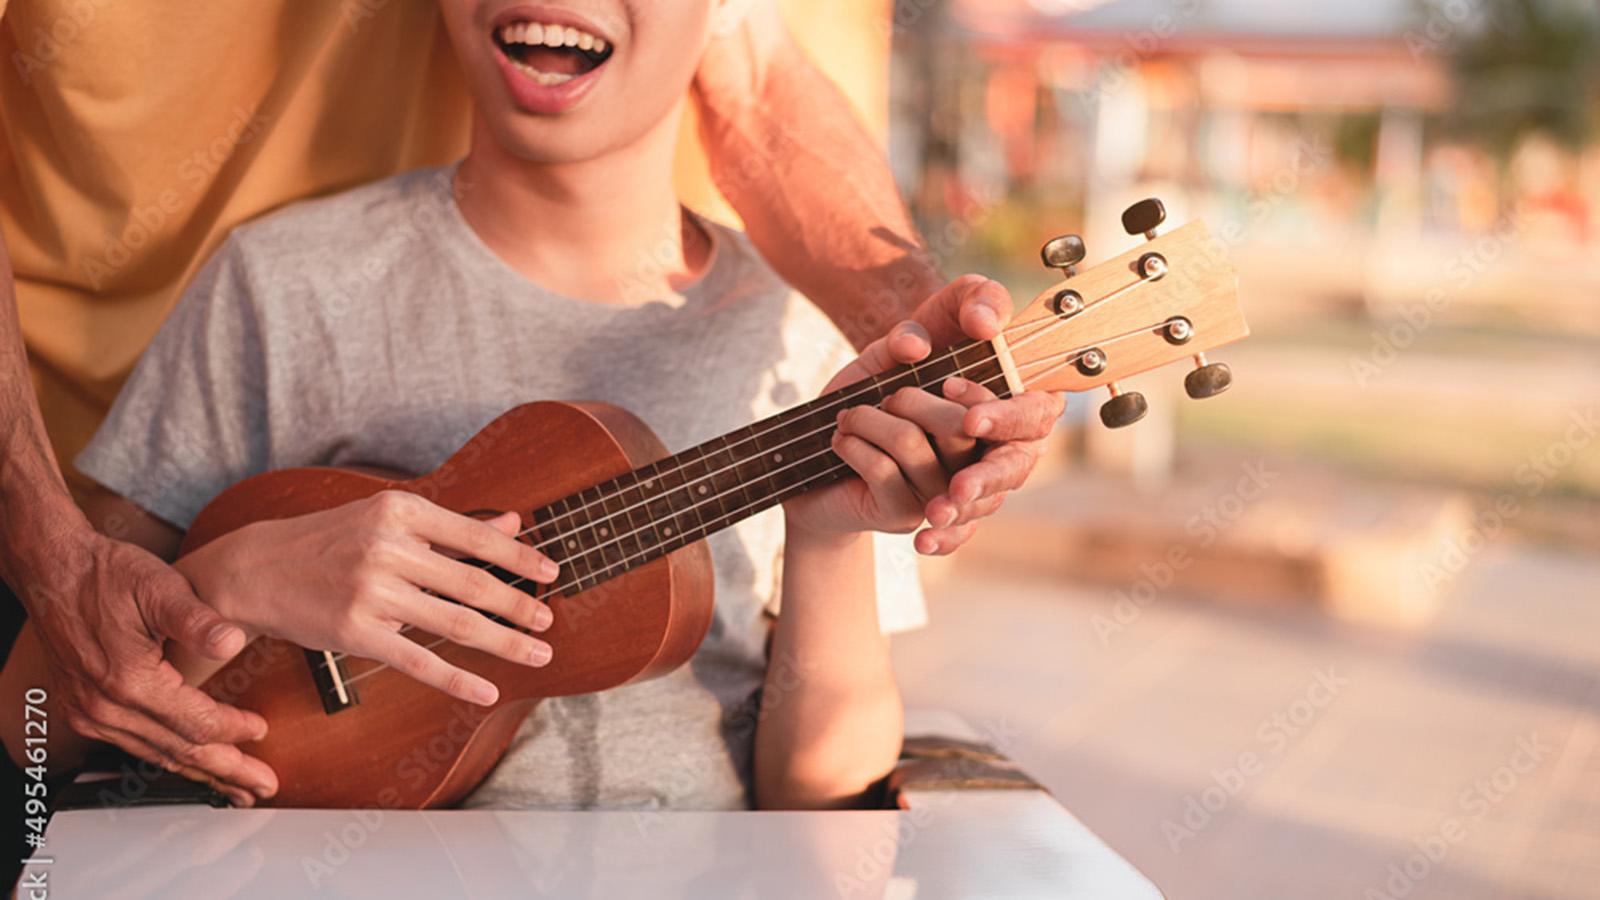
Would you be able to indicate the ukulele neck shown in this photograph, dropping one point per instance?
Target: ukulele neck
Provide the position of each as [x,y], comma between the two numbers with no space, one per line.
[617,525]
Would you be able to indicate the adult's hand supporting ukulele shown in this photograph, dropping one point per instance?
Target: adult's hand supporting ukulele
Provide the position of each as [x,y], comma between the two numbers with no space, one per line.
[1012,431]
[352,578]
[100,609]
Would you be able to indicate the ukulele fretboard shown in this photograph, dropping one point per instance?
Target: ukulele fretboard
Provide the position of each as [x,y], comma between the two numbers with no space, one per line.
[605,530]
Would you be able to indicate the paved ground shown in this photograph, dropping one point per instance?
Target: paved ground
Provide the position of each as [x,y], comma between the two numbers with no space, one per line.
[1269,753]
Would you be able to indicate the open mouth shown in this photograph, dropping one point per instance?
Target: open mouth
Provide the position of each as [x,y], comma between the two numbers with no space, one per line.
[551,54]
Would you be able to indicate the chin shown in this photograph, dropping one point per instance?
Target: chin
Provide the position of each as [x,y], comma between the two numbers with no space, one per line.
[549,143]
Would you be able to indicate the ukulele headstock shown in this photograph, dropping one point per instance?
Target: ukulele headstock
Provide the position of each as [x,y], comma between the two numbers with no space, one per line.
[1173,297]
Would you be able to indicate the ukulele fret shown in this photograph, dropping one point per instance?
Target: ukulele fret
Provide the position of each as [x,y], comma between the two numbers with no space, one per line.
[613,527]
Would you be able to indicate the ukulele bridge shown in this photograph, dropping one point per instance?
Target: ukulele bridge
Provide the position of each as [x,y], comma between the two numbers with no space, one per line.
[333,686]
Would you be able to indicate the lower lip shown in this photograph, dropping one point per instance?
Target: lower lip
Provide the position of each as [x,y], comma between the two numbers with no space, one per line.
[545,99]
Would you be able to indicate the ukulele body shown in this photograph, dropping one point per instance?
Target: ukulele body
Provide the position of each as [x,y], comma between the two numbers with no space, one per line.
[402,745]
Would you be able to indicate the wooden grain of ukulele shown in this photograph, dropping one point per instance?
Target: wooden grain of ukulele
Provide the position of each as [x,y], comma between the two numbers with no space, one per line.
[625,521]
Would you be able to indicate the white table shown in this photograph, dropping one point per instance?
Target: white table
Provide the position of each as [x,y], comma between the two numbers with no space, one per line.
[947,844]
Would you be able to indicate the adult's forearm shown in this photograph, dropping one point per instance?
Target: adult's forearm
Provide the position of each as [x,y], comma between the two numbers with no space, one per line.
[39,524]
[813,188]
[831,717]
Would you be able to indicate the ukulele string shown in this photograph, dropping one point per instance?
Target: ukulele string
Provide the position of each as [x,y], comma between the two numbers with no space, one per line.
[747,439]
[1071,357]
[559,588]
[1039,326]
[801,486]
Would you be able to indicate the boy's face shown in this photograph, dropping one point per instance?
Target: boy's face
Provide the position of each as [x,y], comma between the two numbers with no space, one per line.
[570,80]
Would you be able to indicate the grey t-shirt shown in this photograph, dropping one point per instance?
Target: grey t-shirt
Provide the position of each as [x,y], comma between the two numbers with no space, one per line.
[375,328]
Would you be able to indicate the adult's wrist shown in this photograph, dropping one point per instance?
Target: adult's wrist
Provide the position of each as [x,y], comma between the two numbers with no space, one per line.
[46,543]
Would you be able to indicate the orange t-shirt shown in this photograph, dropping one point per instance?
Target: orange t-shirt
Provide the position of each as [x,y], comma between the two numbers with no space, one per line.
[136,135]
[133,136]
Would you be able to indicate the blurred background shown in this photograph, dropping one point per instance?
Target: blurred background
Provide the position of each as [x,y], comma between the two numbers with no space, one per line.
[1335,633]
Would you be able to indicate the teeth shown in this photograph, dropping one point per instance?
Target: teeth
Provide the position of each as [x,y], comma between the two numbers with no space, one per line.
[534,34]
[545,78]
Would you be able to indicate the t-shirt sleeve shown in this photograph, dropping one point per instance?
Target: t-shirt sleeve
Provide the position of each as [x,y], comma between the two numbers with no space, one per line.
[192,418]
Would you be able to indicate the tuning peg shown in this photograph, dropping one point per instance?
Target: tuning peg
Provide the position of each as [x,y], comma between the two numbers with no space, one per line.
[1208,379]
[1144,217]
[1122,409]
[1064,253]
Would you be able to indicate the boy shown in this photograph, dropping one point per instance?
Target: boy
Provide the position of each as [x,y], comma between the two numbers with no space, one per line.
[386,325]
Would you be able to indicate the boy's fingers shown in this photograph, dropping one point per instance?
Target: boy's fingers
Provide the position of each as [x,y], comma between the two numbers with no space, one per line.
[940,418]
[483,540]
[897,503]
[476,587]
[905,443]
[424,665]
[466,626]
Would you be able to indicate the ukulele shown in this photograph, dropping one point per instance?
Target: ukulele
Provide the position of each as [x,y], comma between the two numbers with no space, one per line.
[625,522]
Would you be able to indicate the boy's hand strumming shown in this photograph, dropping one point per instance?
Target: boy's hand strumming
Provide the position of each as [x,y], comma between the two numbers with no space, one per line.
[353,577]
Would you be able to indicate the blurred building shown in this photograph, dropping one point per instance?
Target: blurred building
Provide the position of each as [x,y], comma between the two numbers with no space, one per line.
[1313,136]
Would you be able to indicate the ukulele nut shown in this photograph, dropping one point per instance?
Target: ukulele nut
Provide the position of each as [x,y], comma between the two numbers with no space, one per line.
[1067,303]
[1092,362]
[1152,266]
[1178,330]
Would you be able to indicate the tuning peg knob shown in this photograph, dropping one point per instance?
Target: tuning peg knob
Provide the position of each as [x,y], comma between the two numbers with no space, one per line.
[1064,253]
[1208,379]
[1122,409]
[1144,217]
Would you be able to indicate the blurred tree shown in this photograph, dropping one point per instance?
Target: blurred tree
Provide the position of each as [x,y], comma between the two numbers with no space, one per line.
[1523,66]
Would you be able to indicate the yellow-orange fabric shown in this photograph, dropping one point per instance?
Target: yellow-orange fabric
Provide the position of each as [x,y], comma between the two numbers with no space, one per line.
[133,136]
